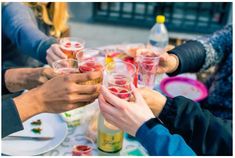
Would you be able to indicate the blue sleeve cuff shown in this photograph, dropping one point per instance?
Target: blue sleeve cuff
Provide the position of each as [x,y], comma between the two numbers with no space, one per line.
[11,121]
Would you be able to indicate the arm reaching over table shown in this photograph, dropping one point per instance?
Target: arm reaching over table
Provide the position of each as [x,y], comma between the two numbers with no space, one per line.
[137,119]
[60,94]
[205,133]
[17,79]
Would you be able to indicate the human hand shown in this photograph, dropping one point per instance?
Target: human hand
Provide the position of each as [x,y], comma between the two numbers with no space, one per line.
[27,78]
[54,53]
[155,100]
[168,63]
[60,94]
[65,92]
[128,116]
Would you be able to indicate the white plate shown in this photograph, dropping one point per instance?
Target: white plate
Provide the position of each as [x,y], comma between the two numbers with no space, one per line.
[52,125]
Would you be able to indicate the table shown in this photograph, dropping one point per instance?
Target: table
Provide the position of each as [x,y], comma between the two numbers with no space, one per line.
[75,133]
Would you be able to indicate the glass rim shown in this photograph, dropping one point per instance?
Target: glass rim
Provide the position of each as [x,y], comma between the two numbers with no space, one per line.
[58,61]
[142,56]
[108,64]
[77,39]
[147,49]
[84,49]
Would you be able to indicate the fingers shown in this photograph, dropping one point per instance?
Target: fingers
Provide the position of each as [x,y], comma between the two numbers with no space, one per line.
[112,99]
[86,89]
[74,98]
[49,73]
[57,51]
[53,56]
[70,107]
[81,77]
[106,107]
[111,119]
[54,53]
[138,96]
[49,60]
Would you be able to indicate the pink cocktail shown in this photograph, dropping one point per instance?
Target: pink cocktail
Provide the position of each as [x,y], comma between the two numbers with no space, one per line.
[119,76]
[148,60]
[90,64]
[88,54]
[66,66]
[120,85]
[72,46]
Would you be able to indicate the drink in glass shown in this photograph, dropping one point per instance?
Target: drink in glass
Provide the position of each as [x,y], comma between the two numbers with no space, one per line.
[71,46]
[65,66]
[148,60]
[118,79]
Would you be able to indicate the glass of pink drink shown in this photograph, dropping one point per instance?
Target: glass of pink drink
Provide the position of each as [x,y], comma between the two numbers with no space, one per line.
[119,76]
[71,46]
[148,60]
[88,53]
[66,66]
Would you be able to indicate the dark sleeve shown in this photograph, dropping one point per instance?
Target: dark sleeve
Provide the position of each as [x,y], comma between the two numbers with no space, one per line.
[4,88]
[204,52]
[159,141]
[202,131]
[191,57]
[11,121]
[21,28]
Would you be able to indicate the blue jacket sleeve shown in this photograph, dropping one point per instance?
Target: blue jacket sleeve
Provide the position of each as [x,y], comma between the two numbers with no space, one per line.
[158,141]
[20,26]
[11,121]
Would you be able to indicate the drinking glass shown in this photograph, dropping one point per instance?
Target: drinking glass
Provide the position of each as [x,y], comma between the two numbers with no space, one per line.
[118,78]
[71,46]
[66,66]
[88,53]
[148,60]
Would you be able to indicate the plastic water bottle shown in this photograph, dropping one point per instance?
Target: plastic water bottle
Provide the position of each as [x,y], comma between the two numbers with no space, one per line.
[158,37]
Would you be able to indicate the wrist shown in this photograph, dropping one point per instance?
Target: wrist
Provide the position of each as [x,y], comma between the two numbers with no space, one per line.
[27,105]
[158,104]
[174,63]
[16,79]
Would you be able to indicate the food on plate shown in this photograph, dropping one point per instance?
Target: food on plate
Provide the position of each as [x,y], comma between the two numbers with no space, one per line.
[36,130]
[36,123]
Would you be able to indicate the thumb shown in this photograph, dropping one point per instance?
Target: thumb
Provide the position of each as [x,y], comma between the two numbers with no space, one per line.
[137,95]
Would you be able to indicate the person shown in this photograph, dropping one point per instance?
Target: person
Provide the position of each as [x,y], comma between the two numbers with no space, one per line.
[45,98]
[205,133]
[199,55]
[137,119]
[30,33]
[18,79]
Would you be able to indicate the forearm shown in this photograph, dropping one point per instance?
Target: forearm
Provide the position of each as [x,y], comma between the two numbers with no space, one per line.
[158,140]
[27,106]
[205,133]
[191,56]
[21,28]
[17,79]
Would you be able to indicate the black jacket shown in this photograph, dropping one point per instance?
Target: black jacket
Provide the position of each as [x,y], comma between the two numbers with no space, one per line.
[205,133]
[201,54]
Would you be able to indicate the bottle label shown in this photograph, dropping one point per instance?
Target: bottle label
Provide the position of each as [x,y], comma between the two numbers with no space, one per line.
[110,142]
